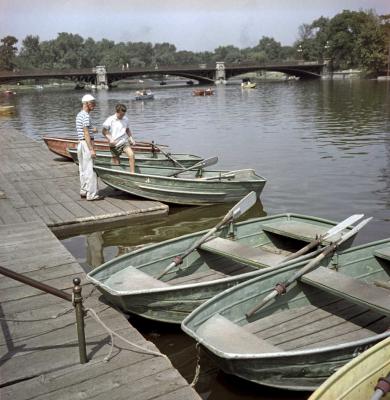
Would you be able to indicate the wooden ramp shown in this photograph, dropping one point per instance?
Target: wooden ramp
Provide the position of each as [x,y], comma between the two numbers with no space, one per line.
[39,350]
[34,185]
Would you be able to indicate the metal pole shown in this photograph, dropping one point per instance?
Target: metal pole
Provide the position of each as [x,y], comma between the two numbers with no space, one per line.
[78,305]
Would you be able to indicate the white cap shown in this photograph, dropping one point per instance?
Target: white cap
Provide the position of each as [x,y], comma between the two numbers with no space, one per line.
[86,98]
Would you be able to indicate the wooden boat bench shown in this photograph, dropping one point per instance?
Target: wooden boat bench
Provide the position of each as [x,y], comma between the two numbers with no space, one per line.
[131,278]
[228,337]
[383,253]
[351,289]
[298,230]
[242,253]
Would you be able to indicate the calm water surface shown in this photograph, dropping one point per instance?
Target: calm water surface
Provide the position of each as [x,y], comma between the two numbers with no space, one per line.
[324,148]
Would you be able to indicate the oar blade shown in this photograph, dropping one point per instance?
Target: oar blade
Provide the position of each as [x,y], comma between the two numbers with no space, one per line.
[354,230]
[243,205]
[342,225]
[206,163]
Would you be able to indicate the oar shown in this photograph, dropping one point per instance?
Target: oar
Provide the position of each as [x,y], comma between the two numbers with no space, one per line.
[281,288]
[227,175]
[169,156]
[201,164]
[239,209]
[325,236]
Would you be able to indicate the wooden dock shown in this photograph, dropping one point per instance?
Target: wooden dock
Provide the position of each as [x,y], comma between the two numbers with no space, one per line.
[39,356]
[36,185]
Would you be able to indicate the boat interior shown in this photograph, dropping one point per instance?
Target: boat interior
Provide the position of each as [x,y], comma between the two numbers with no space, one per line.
[325,308]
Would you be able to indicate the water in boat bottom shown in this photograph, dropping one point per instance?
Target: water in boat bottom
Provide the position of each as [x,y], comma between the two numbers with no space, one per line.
[212,383]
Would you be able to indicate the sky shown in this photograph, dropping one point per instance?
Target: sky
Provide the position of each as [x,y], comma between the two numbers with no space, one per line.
[195,25]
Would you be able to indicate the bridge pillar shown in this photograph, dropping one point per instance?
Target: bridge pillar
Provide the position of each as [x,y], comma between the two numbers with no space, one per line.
[327,70]
[220,73]
[101,77]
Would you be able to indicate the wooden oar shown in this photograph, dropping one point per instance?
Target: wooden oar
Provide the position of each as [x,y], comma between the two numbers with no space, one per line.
[325,236]
[281,288]
[239,209]
[169,156]
[201,164]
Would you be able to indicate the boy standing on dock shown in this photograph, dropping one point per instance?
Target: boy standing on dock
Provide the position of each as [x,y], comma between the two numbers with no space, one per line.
[85,150]
[116,129]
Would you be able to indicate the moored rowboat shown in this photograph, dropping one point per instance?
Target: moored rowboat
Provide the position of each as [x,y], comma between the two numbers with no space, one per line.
[7,109]
[328,317]
[60,145]
[358,378]
[146,158]
[237,253]
[192,187]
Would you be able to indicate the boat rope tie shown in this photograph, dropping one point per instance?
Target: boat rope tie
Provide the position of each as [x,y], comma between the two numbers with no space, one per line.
[280,288]
[383,385]
[197,369]
[112,334]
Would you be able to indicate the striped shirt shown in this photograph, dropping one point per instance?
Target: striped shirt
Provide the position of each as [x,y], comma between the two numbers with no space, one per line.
[83,120]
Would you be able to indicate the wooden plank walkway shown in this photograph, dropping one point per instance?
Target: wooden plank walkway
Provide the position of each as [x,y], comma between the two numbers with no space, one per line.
[35,184]
[39,356]
[39,353]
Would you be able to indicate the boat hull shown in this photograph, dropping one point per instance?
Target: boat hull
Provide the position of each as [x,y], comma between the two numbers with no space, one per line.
[358,378]
[60,146]
[155,184]
[201,276]
[301,338]
[146,158]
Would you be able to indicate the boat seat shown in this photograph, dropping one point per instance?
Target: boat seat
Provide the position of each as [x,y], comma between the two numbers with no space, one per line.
[349,288]
[298,230]
[131,278]
[228,337]
[242,253]
[383,253]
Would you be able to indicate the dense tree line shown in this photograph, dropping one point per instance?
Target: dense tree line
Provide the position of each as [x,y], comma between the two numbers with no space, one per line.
[351,39]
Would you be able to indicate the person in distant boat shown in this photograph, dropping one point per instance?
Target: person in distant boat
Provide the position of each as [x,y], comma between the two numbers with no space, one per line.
[117,131]
[85,150]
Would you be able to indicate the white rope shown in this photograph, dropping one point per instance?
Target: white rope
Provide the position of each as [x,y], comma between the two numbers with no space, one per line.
[112,334]
[197,369]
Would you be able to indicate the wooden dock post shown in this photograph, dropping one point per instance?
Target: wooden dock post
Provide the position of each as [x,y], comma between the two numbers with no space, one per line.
[79,309]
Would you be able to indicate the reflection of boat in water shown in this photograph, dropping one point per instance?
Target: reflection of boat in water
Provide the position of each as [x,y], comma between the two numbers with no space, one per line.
[202,92]
[144,95]
[9,92]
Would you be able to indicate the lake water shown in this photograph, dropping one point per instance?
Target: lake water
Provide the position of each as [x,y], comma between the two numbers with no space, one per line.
[323,146]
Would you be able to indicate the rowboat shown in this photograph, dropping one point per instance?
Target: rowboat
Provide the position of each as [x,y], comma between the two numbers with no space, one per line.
[7,109]
[60,145]
[248,85]
[358,378]
[202,92]
[328,317]
[147,158]
[136,282]
[194,187]
[144,95]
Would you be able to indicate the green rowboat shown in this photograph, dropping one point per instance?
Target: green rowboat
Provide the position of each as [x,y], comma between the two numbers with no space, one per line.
[329,316]
[146,158]
[195,187]
[237,253]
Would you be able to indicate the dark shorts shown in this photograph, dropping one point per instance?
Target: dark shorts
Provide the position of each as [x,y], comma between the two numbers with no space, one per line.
[116,151]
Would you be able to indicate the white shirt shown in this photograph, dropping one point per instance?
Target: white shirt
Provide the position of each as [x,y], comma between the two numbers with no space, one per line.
[117,127]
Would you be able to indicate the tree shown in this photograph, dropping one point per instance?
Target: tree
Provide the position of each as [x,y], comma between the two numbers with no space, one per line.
[270,48]
[30,54]
[8,53]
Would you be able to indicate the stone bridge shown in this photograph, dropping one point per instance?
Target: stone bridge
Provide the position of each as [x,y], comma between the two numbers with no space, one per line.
[203,73]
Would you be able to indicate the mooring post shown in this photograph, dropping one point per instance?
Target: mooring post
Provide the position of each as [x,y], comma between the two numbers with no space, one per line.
[78,305]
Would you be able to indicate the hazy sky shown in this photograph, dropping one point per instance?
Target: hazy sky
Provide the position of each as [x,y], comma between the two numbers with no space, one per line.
[195,25]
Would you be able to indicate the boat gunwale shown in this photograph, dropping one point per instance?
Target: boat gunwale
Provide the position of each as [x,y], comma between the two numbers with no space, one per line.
[287,353]
[176,179]
[262,271]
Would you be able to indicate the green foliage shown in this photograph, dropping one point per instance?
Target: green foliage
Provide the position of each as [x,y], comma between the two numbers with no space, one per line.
[8,52]
[351,39]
